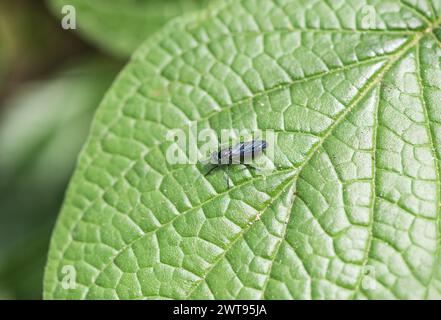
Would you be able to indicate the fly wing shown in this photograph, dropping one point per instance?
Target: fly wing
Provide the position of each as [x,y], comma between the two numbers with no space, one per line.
[246,149]
[241,148]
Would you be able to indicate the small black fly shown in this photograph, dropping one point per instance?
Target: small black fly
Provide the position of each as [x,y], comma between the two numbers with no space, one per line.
[240,153]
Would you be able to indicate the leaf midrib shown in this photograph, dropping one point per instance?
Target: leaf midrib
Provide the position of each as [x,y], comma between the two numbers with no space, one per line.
[438,166]
[364,91]
[360,95]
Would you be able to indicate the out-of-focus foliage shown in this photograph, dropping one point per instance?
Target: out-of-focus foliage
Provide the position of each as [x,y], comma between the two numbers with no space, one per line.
[40,137]
[31,43]
[120,26]
[2,61]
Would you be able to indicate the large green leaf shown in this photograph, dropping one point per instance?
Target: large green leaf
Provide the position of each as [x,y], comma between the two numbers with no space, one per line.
[352,209]
[120,26]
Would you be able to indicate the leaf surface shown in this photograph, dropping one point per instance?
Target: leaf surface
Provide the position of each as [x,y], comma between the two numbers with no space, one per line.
[352,210]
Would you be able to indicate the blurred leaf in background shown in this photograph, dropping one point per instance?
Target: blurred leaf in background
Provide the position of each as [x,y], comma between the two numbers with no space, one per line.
[32,47]
[31,43]
[45,113]
[27,210]
[2,62]
[120,26]
[40,137]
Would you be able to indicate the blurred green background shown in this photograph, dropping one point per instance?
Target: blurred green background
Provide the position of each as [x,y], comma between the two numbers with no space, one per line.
[51,81]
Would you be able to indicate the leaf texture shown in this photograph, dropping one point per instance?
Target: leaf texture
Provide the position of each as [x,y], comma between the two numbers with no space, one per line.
[352,210]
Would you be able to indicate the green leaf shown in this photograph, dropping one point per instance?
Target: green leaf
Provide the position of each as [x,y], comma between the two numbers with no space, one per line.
[42,129]
[352,209]
[120,26]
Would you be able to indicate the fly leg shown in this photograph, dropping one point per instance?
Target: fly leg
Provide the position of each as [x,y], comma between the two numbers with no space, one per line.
[211,170]
[228,177]
[250,167]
